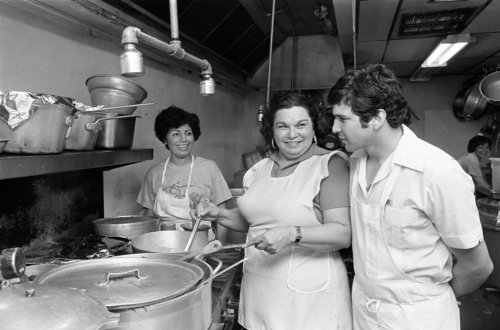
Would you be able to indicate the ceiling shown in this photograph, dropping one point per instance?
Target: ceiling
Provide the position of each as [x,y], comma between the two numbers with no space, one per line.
[234,35]
[237,32]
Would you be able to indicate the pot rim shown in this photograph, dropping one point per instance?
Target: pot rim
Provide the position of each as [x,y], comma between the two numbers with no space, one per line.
[122,283]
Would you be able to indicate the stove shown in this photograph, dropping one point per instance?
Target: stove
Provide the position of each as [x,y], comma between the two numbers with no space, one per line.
[225,293]
[225,288]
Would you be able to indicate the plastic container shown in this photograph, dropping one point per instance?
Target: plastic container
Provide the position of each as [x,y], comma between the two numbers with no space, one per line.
[495,174]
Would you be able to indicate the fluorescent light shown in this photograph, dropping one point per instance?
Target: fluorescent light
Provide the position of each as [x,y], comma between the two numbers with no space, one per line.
[440,56]
[446,49]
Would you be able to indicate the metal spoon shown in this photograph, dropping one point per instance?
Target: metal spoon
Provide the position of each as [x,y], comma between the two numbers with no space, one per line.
[193,232]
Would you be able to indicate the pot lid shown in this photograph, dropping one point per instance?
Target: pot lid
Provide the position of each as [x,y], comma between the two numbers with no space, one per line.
[46,308]
[121,283]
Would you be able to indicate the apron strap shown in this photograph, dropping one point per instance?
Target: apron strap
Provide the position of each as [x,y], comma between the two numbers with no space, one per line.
[186,195]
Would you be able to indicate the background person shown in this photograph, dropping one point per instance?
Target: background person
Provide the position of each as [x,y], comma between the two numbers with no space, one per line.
[296,211]
[477,164]
[412,207]
[171,187]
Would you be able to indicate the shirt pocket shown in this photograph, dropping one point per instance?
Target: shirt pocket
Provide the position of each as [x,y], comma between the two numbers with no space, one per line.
[401,227]
[308,271]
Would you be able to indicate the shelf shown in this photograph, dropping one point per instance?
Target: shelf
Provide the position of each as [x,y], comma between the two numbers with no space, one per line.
[22,165]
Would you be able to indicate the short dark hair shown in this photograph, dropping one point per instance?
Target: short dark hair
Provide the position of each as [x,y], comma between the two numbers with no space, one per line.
[174,117]
[369,88]
[286,100]
[477,141]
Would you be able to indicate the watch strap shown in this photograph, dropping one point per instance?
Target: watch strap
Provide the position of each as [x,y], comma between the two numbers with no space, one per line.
[299,235]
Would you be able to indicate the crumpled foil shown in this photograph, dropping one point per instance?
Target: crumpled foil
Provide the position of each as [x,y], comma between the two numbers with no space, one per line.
[17,106]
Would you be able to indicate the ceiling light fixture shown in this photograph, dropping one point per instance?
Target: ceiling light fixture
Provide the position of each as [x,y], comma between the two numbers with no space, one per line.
[440,56]
[131,61]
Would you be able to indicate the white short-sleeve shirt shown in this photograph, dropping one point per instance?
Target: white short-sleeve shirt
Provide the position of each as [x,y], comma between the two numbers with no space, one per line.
[439,194]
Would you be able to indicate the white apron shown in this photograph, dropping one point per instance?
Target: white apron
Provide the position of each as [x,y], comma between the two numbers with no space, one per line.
[298,288]
[383,296]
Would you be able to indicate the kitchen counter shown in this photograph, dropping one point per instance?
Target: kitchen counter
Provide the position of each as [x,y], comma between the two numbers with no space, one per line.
[23,165]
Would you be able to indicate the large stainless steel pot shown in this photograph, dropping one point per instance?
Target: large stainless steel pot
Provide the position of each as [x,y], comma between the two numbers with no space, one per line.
[475,105]
[116,134]
[86,127]
[46,307]
[123,283]
[43,132]
[112,91]
[143,306]
[193,310]
[126,226]
[170,241]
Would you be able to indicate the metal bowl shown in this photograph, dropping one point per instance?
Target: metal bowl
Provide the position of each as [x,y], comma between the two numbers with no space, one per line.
[126,226]
[113,91]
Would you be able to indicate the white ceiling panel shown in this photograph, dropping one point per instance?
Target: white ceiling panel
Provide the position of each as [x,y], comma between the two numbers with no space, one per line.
[375,19]
[370,52]
[409,49]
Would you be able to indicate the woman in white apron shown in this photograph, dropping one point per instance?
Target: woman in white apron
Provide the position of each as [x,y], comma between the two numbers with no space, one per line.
[296,210]
[172,187]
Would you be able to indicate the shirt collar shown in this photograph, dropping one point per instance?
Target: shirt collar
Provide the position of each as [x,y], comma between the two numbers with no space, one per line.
[406,153]
[284,163]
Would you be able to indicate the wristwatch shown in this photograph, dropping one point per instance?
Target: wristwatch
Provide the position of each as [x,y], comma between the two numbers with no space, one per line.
[299,235]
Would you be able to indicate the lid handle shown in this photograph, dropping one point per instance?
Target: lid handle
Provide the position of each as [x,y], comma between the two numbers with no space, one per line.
[113,276]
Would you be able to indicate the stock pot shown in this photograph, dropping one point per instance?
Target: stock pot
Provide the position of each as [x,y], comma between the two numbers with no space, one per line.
[148,291]
[170,241]
[47,307]
[126,226]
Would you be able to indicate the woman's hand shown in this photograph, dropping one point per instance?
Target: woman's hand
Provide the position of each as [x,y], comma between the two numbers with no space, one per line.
[274,240]
[211,212]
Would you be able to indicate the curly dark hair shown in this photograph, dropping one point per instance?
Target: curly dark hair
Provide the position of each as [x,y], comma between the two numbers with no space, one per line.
[476,141]
[174,117]
[369,88]
[286,100]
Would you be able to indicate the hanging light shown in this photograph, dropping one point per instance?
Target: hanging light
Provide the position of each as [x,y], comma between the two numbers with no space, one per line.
[260,113]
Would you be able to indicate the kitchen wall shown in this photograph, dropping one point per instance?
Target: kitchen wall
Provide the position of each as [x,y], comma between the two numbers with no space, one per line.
[45,55]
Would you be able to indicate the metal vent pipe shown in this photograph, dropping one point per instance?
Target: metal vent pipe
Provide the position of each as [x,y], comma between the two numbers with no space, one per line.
[131,60]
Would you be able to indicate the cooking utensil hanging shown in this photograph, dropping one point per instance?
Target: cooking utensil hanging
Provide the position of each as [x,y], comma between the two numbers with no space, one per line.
[489,88]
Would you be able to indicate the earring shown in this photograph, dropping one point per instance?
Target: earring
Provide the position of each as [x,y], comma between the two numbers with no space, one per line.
[272,143]
[314,139]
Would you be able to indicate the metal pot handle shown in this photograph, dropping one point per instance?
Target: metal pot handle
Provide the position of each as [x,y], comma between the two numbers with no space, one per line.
[69,122]
[96,125]
[214,275]
[112,276]
[218,262]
